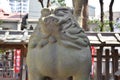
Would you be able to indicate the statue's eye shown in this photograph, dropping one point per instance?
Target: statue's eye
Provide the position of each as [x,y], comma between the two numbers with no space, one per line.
[60,12]
[45,12]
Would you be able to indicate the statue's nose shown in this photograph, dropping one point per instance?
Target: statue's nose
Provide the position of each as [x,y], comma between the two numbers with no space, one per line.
[50,19]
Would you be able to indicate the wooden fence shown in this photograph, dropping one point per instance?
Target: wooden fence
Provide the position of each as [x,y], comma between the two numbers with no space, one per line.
[106,56]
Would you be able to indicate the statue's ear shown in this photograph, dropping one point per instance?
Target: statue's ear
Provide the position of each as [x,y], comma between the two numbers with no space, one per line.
[45,12]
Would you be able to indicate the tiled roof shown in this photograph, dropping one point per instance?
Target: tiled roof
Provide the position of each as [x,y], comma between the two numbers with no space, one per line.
[104,38]
[13,36]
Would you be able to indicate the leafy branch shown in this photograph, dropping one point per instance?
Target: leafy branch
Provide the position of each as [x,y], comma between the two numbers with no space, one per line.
[61,2]
[1,22]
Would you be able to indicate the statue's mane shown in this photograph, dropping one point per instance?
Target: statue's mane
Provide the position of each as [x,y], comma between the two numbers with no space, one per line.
[72,35]
[67,31]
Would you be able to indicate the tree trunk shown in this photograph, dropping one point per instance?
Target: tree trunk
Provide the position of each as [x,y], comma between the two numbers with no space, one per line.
[102,14]
[85,16]
[73,3]
[41,1]
[81,12]
[78,6]
[111,16]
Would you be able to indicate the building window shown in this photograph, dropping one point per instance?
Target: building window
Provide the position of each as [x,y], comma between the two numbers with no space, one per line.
[19,6]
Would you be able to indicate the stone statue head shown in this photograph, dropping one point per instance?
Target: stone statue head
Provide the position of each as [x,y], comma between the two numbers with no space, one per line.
[60,25]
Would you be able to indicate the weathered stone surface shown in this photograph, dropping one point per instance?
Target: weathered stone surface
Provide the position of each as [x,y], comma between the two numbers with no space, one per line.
[58,48]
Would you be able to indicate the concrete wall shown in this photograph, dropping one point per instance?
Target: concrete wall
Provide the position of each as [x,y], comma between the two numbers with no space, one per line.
[34,9]
[91,11]
[10,24]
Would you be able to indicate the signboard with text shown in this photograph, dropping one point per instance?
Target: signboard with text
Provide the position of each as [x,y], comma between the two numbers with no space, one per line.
[17,58]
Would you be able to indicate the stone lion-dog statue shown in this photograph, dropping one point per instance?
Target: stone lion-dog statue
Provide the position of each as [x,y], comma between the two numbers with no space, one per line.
[58,49]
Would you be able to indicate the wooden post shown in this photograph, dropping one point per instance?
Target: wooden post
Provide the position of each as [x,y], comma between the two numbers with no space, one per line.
[99,63]
[23,54]
[107,60]
[117,74]
[115,58]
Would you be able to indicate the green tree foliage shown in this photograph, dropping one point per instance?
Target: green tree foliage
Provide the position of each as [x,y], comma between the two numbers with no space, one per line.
[61,2]
[1,22]
[1,51]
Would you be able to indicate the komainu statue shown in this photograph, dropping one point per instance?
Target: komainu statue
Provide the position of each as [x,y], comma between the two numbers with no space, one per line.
[58,48]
